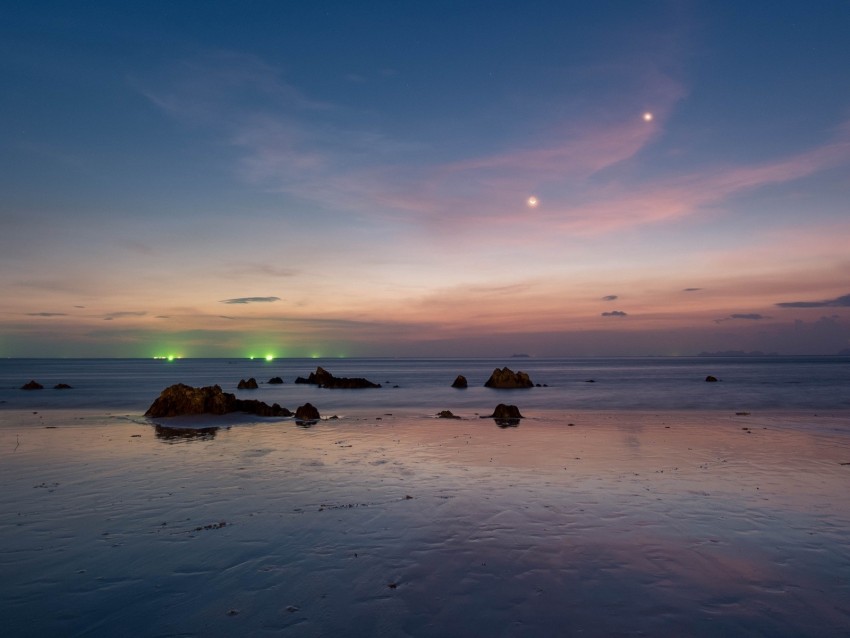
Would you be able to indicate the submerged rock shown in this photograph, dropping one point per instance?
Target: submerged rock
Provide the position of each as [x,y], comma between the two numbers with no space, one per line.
[250,384]
[446,414]
[181,399]
[32,385]
[62,386]
[275,381]
[711,379]
[325,379]
[508,379]
[169,434]
[460,382]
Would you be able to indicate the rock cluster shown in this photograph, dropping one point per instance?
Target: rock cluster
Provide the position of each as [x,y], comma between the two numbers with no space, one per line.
[275,381]
[508,379]
[447,414]
[325,379]
[181,399]
[250,384]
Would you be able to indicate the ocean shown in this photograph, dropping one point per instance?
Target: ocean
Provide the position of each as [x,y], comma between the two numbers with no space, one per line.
[424,385]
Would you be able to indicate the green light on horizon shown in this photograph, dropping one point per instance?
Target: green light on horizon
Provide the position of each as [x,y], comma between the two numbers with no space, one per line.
[269,357]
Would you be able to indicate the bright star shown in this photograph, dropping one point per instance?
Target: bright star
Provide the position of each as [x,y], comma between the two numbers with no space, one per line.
[647,117]
[533,202]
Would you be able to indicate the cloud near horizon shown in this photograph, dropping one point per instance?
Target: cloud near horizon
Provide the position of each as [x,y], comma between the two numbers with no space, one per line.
[615,313]
[749,316]
[247,300]
[838,302]
[121,315]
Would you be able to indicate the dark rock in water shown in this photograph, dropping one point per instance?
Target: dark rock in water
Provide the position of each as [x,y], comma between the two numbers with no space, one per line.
[503,411]
[32,385]
[711,379]
[460,382]
[250,384]
[181,399]
[508,379]
[307,412]
[61,386]
[446,414]
[325,379]
[275,381]
[505,416]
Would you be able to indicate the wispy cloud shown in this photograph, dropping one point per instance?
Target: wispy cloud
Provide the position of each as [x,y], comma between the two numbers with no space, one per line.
[838,302]
[247,300]
[615,313]
[47,314]
[590,174]
[610,298]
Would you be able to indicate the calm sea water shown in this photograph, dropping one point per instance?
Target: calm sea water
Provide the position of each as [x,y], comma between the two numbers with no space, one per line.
[815,383]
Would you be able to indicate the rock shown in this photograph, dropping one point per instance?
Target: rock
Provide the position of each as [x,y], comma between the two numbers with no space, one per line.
[181,399]
[61,386]
[711,379]
[508,379]
[460,382]
[32,385]
[505,415]
[275,381]
[250,384]
[446,414]
[307,412]
[325,379]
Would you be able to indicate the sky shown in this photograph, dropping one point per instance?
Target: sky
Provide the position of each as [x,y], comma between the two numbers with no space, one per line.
[551,178]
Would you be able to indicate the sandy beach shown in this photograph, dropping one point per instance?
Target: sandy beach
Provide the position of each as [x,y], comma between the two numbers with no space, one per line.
[401,524]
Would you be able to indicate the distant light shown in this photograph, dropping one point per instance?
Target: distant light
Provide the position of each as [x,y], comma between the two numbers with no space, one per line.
[648,117]
[170,357]
[533,202]
[251,358]
[269,357]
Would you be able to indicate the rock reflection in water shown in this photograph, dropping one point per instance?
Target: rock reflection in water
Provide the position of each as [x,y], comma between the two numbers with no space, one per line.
[174,435]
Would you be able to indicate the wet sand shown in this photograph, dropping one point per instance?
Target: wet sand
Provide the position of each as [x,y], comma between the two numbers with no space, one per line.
[690,524]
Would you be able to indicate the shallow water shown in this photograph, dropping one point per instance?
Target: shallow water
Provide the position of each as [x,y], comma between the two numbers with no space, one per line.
[620,524]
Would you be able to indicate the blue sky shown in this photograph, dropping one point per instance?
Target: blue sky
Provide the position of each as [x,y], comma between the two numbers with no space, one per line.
[361,175]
